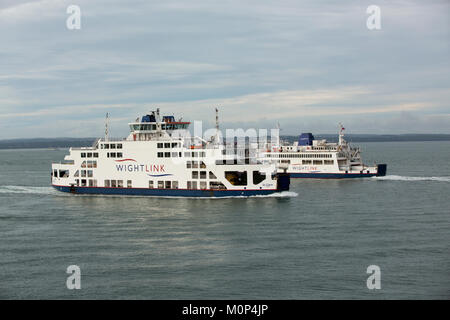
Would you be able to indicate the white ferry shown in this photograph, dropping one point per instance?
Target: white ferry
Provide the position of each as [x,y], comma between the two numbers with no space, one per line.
[159,159]
[311,158]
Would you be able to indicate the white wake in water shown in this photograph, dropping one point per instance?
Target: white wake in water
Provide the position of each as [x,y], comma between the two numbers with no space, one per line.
[27,190]
[284,194]
[404,178]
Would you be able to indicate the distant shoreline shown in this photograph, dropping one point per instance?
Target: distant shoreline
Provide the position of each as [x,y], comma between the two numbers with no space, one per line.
[56,143]
[413,137]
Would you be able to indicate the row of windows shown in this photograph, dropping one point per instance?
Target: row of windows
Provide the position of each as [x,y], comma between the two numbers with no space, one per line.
[215,185]
[86,183]
[319,162]
[299,155]
[283,148]
[202,185]
[324,148]
[168,145]
[202,175]
[164,126]
[89,155]
[143,127]
[117,183]
[195,164]
[84,173]
[201,154]
[114,155]
[179,154]
[163,184]
[89,164]
[111,146]
[169,154]
[62,173]
[193,185]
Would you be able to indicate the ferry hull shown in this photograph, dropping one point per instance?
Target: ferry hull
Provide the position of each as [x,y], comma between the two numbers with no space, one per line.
[381,172]
[164,192]
[332,175]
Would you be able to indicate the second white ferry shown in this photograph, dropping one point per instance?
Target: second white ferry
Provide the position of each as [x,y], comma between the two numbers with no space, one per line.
[159,159]
[311,158]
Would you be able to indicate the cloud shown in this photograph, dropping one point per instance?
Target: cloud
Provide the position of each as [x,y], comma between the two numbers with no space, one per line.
[30,10]
[305,63]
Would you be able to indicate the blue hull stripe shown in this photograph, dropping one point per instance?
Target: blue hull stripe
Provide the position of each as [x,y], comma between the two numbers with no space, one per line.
[332,175]
[165,192]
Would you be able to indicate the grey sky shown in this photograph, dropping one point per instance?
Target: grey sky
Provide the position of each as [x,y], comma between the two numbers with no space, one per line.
[305,64]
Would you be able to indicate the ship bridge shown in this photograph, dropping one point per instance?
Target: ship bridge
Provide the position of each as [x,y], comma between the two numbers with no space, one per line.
[153,125]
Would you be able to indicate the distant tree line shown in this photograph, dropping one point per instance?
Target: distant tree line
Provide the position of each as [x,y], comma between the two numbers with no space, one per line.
[46,143]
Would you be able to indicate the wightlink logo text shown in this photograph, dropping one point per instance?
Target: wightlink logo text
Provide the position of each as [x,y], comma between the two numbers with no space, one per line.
[149,168]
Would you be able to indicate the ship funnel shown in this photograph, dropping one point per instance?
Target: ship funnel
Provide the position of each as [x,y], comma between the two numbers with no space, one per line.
[306,139]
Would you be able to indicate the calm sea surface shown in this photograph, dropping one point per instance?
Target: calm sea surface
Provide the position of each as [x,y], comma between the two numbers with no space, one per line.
[315,242]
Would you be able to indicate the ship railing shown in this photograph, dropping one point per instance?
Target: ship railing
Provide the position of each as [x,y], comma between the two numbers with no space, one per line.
[97,142]
[112,140]
[65,162]
[83,148]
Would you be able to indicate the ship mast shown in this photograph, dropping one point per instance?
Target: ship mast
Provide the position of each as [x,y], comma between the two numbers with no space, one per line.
[217,120]
[217,137]
[106,127]
[158,123]
[341,134]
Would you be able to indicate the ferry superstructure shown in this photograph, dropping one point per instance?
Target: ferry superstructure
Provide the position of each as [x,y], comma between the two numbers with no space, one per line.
[311,158]
[158,159]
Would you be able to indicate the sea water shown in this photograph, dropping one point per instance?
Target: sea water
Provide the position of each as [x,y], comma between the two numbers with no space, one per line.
[314,242]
